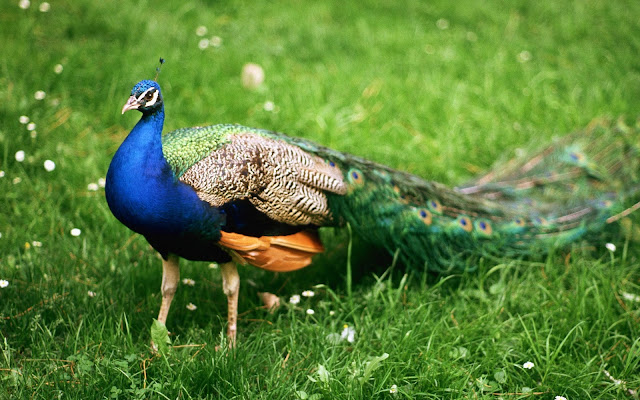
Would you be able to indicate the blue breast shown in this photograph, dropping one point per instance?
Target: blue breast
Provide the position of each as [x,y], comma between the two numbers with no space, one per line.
[144,194]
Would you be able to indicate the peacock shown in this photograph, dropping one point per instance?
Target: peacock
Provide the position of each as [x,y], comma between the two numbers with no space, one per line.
[244,196]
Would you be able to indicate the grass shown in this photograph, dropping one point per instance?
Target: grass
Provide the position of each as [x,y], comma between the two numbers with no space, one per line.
[440,89]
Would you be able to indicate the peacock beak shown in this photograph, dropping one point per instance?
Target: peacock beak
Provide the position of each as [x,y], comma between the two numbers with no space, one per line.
[132,104]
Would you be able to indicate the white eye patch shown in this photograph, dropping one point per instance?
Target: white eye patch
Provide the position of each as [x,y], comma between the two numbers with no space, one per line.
[149,103]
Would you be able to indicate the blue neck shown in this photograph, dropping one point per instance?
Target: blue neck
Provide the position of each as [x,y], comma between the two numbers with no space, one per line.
[141,151]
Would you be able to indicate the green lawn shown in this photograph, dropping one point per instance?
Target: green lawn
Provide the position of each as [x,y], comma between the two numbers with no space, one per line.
[441,89]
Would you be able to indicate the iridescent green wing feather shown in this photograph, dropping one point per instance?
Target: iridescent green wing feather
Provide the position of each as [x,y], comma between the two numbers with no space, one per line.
[185,147]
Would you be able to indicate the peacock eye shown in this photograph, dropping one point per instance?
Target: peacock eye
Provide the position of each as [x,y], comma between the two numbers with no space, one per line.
[148,96]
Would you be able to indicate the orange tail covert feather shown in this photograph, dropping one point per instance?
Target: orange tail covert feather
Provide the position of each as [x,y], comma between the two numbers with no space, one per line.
[274,253]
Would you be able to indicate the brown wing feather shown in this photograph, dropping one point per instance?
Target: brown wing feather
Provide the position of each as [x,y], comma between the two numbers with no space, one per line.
[279,179]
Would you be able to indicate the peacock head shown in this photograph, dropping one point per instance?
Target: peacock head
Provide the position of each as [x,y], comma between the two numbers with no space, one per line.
[145,97]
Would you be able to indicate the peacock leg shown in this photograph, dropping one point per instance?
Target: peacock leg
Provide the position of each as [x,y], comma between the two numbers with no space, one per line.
[231,287]
[170,278]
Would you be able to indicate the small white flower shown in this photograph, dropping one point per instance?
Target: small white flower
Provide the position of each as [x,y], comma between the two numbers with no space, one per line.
[102,182]
[295,299]
[58,69]
[527,365]
[310,311]
[394,389]
[24,4]
[612,379]
[348,334]
[33,134]
[23,119]
[31,126]
[4,283]
[49,165]
[308,293]
[40,95]
[215,41]
[20,155]
[201,30]
[631,296]
[35,243]
[524,56]
[332,313]
[2,173]
[188,282]
[191,307]
[203,44]
[442,24]
[75,232]
[611,247]
[16,180]
[559,398]
[44,7]
[252,76]
[91,293]
[269,106]
[92,187]
[213,266]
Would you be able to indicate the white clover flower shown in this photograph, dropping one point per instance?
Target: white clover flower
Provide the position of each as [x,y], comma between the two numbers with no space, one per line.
[36,243]
[4,283]
[2,173]
[215,41]
[92,187]
[75,232]
[58,69]
[308,293]
[188,282]
[310,311]
[631,296]
[31,126]
[442,24]
[20,155]
[44,7]
[23,119]
[611,247]
[40,95]
[213,266]
[203,44]
[24,4]
[191,307]
[91,293]
[102,182]
[252,75]
[295,299]
[332,313]
[201,30]
[559,398]
[348,334]
[524,56]
[49,165]
[528,365]
[269,106]
[394,389]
